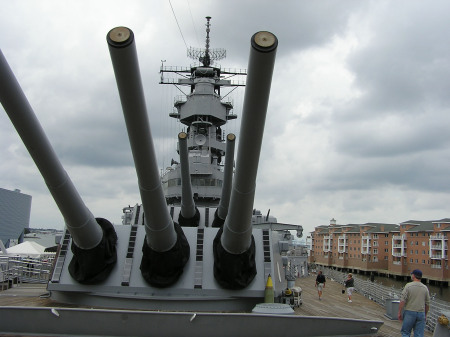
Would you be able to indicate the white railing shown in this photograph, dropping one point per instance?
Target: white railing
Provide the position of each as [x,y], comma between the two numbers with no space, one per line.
[436,266]
[24,270]
[397,262]
[438,256]
[437,237]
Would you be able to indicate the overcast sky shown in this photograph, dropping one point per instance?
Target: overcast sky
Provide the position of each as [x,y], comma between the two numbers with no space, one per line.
[358,121]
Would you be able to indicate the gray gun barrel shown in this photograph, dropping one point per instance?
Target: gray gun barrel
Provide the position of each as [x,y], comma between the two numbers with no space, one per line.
[234,245]
[222,210]
[187,200]
[189,214]
[159,227]
[84,229]
[166,250]
[237,230]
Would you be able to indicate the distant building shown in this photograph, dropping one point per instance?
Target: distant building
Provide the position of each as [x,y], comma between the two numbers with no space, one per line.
[385,248]
[15,209]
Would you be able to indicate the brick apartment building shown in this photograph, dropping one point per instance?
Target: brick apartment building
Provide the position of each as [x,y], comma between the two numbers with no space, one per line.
[388,249]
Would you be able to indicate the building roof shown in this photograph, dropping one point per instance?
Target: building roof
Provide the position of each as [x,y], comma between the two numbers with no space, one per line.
[381,227]
[445,220]
[419,226]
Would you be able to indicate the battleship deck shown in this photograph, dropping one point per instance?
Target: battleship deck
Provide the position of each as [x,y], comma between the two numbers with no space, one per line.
[333,304]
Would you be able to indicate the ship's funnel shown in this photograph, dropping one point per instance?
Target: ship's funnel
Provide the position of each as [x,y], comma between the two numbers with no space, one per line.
[222,211]
[93,240]
[234,258]
[189,214]
[165,249]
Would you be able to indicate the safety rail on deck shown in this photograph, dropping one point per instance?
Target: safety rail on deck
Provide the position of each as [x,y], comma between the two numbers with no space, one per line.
[17,270]
[380,294]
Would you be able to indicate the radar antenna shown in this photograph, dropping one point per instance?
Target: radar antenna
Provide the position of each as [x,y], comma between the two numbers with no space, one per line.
[206,56]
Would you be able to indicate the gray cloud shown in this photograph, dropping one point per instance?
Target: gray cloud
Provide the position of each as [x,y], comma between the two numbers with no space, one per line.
[358,115]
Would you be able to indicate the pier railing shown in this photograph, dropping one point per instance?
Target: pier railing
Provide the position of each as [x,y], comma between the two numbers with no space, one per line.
[381,294]
[16,270]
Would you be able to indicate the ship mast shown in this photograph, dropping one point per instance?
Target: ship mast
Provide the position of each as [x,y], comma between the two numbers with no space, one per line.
[203,111]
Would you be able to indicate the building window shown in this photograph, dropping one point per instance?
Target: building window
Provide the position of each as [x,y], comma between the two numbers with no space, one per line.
[386,242]
[411,260]
[423,261]
[417,252]
[375,251]
[417,261]
[386,250]
[385,257]
[423,243]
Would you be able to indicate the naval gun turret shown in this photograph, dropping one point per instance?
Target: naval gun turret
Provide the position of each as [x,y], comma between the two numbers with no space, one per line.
[231,257]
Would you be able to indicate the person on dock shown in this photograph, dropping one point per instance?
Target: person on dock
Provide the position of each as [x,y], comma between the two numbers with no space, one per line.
[415,300]
[320,283]
[349,285]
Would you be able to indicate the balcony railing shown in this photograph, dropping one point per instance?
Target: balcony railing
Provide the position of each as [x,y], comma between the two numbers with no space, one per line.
[397,254]
[437,237]
[438,256]
[397,246]
[436,266]
[397,262]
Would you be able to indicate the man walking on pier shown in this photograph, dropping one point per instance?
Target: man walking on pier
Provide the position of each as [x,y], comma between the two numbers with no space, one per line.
[320,283]
[416,302]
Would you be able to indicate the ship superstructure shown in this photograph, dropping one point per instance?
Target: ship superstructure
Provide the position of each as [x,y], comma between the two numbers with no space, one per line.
[204,112]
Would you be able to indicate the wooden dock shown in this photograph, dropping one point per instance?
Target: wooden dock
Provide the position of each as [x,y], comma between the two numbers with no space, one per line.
[333,304]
